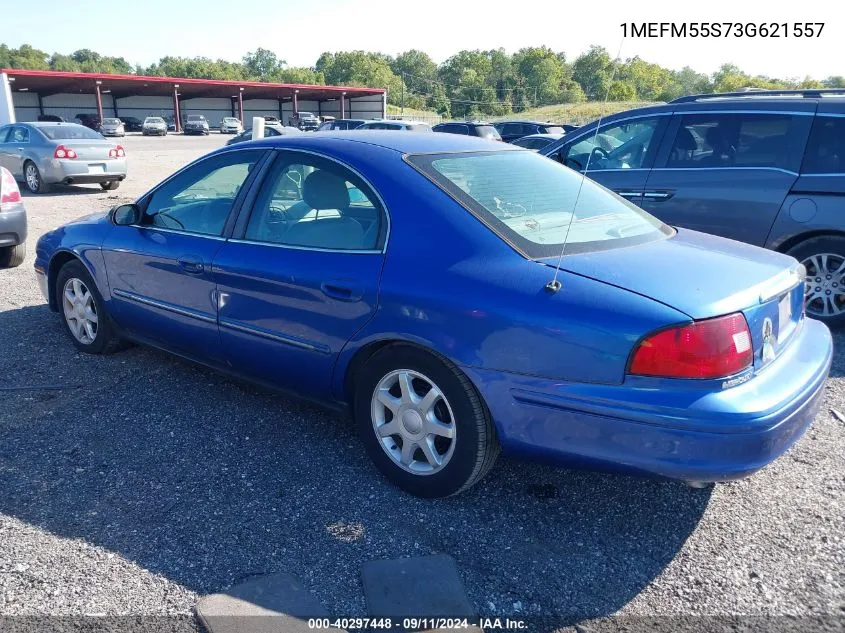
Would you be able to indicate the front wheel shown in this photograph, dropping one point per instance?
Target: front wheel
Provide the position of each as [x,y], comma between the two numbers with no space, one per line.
[82,308]
[423,423]
[824,290]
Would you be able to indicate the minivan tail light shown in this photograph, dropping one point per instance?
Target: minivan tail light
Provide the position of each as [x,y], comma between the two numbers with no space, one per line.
[710,348]
[117,152]
[9,192]
[64,152]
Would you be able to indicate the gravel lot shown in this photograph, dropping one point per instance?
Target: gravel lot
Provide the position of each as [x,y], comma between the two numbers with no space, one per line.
[147,482]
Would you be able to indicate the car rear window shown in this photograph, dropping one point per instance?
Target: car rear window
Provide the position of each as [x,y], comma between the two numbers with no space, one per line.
[553,129]
[488,131]
[536,204]
[69,132]
[153,119]
[111,121]
[826,148]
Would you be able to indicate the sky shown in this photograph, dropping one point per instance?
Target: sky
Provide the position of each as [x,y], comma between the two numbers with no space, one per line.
[299,31]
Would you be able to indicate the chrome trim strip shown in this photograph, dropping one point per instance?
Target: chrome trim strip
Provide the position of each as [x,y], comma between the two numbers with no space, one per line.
[131,296]
[218,238]
[831,174]
[685,111]
[307,248]
[248,329]
[781,169]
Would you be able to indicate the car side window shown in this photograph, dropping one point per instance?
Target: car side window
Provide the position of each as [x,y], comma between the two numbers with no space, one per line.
[19,135]
[618,145]
[200,199]
[826,147]
[316,203]
[731,140]
[4,132]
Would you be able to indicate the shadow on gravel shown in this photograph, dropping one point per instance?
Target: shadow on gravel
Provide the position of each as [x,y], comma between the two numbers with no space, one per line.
[208,482]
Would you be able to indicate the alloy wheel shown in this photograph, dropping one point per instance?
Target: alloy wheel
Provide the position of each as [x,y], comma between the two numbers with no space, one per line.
[824,289]
[413,422]
[33,179]
[80,311]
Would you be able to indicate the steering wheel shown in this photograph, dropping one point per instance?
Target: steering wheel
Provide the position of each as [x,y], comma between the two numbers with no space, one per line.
[599,150]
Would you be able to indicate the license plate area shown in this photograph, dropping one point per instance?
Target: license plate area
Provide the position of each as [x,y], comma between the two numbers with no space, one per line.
[96,168]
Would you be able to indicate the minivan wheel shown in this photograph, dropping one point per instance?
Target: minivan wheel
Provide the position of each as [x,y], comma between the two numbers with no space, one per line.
[12,256]
[423,423]
[83,311]
[33,180]
[824,290]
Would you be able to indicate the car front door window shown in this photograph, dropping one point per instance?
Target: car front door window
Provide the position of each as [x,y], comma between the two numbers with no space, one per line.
[624,145]
[200,199]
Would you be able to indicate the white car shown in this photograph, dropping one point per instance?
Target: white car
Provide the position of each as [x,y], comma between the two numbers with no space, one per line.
[231,125]
[154,125]
[113,127]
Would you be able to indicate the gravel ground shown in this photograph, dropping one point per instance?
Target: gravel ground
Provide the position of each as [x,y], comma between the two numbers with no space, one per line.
[147,482]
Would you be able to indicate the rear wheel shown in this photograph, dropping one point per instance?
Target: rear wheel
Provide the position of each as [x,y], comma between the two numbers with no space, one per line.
[12,256]
[423,423]
[33,180]
[111,185]
[83,312]
[824,291]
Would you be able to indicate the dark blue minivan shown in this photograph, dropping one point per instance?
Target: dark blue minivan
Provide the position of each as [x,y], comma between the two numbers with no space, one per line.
[762,167]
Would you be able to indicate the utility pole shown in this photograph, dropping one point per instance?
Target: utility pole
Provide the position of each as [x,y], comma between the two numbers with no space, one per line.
[403,94]
[535,96]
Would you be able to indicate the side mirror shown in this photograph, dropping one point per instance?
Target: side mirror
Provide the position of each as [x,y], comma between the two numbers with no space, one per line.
[126,215]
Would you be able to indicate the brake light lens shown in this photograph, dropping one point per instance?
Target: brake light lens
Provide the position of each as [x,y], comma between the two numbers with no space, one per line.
[9,192]
[117,152]
[64,152]
[711,348]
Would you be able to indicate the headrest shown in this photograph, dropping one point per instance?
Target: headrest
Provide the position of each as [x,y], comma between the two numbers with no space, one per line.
[685,140]
[714,138]
[323,190]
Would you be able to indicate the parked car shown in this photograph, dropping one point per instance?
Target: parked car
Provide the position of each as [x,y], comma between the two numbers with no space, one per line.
[766,168]
[231,125]
[469,128]
[54,118]
[341,124]
[42,154]
[196,124]
[270,130]
[701,370]
[154,126]
[112,127]
[537,141]
[395,124]
[512,130]
[91,121]
[171,123]
[304,121]
[12,222]
[132,124]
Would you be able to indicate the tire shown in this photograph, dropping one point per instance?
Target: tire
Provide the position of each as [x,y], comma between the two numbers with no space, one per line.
[110,185]
[32,179]
[12,256]
[105,339]
[825,288]
[466,456]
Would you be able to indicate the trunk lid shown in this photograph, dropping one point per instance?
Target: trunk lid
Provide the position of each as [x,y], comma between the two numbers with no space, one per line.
[706,276]
[90,149]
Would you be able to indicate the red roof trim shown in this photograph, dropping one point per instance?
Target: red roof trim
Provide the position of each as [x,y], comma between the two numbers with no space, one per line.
[14,72]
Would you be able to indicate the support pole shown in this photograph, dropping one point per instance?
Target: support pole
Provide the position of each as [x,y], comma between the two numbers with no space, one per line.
[296,105]
[99,102]
[342,105]
[177,121]
[241,105]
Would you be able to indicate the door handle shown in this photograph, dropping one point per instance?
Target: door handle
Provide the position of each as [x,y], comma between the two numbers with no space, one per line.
[191,266]
[341,290]
[658,195]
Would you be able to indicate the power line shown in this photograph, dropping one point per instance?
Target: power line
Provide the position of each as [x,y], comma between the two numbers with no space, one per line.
[453,86]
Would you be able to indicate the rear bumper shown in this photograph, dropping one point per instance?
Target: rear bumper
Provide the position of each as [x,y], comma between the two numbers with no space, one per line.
[12,227]
[680,433]
[80,171]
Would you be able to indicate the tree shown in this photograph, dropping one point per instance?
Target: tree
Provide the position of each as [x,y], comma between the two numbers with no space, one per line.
[622,91]
[592,70]
[360,68]
[649,80]
[541,73]
[262,64]
[686,82]
[834,82]
[420,71]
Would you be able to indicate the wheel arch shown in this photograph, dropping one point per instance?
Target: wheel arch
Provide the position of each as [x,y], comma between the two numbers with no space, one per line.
[57,261]
[795,240]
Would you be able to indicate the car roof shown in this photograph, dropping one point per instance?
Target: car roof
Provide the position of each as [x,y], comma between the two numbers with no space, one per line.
[401,142]
[50,124]
[553,137]
[529,121]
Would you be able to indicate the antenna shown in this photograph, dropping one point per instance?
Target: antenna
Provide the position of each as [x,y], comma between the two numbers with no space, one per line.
[554,284]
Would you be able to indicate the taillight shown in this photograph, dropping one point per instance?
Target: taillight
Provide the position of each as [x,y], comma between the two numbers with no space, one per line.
[9,192]
[712,348]
[64,152]
[117,152]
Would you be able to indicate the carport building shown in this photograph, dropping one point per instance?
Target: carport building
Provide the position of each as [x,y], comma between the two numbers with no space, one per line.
[27,94]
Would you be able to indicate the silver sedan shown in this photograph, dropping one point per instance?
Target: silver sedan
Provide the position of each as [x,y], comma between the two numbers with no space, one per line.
[42,154]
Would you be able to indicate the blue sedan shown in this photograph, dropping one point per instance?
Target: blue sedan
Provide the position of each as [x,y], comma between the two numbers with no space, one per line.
[421,282]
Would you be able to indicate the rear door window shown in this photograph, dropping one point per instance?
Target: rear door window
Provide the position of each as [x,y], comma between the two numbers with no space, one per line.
[826,148]
[731,140]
